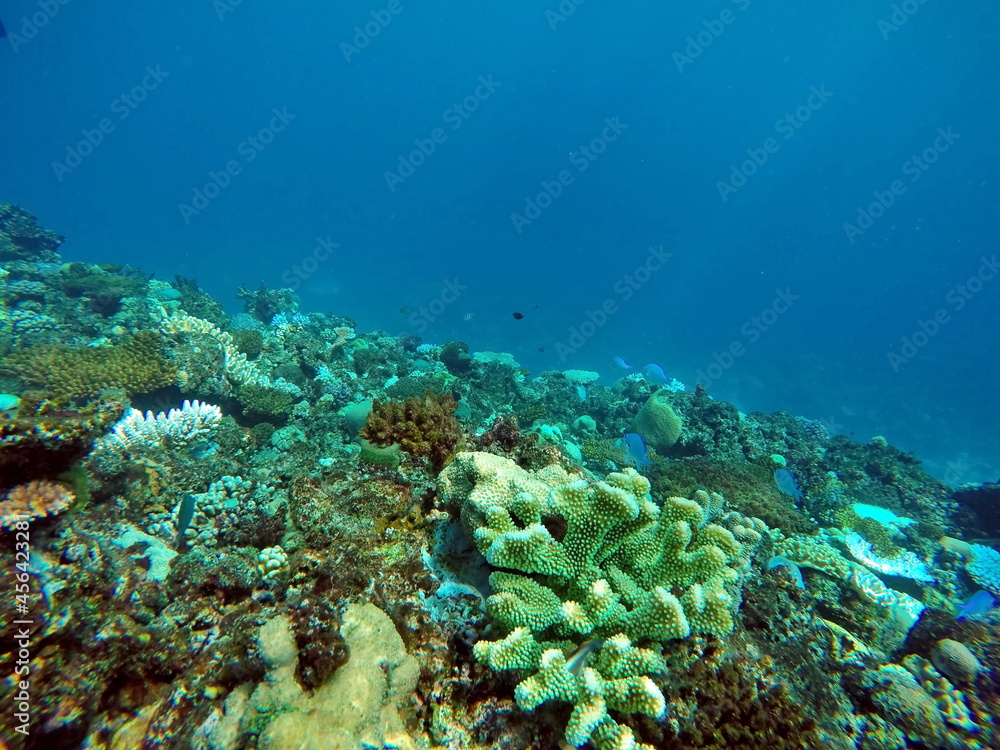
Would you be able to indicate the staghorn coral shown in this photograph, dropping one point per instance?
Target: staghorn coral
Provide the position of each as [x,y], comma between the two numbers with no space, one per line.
[138,365]
[424,427]
[34,500]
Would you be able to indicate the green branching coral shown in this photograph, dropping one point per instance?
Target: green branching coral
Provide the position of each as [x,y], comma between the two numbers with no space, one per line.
[424,427]
[618,567]
[138,365]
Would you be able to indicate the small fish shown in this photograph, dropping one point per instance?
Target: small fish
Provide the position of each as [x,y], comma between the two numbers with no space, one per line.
[620,364]
[185,513]
[976,605]
[405,310]
[517,315]
[468,316]
[654,374]
[786,483]
[578,659]
[793,570]
[635,446]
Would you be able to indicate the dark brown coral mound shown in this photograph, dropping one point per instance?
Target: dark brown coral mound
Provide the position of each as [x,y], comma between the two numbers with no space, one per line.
[737,705]
[424,427]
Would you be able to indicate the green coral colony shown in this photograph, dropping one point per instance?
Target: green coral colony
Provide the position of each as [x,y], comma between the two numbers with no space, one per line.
[272,530]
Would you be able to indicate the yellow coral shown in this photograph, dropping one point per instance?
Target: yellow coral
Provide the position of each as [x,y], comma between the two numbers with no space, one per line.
[138,365]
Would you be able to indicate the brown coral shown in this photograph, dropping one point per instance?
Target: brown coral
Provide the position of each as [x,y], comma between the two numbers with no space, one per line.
[736,704]
[424,427]
[34,500]
[138,365]
[46,438]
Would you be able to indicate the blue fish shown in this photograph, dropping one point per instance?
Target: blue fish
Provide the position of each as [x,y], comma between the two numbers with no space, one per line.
[793,570]
[786,483]
[635,446]
[620,364]
[654,374]
[976,605]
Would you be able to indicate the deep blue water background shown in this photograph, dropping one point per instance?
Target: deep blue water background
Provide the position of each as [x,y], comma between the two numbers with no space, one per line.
[324,176]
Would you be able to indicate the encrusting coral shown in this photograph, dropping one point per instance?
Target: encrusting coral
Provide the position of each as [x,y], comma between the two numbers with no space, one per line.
[622,569]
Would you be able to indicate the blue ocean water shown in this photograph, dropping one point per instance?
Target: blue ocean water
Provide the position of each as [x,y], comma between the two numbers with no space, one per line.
[821,180]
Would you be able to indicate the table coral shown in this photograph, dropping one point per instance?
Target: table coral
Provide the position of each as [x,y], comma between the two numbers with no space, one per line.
[34,500]
[138,365]
[44,438]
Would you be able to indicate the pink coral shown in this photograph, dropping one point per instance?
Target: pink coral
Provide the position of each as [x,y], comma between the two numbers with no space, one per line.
[38,499]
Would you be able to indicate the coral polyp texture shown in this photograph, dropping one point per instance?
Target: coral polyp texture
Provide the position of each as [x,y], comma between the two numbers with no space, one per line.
[269,528]
[623,568]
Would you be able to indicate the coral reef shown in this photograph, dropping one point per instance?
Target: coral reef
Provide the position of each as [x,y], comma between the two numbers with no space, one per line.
[275,528]
[21,238]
